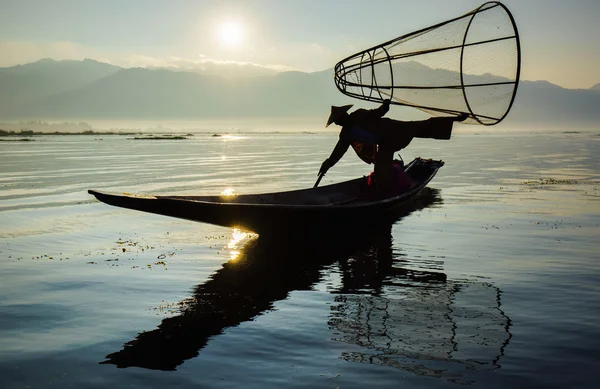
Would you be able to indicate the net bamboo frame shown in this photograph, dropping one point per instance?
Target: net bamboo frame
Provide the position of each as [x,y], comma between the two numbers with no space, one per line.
[468,64]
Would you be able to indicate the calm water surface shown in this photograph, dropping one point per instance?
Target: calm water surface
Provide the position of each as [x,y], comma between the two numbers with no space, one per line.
[492,280]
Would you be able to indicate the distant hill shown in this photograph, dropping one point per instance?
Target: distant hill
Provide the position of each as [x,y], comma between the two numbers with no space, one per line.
[596,87]
[79,90]
[152,94]
[543,102]
[22,85]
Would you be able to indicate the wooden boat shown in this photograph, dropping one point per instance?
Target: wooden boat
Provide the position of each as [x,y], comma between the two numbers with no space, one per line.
[345,204]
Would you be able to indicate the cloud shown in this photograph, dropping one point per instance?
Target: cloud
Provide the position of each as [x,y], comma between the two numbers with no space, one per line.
[201,63]
[306,56]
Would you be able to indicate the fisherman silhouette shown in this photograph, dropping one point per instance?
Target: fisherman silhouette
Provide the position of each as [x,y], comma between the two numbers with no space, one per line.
[375,138]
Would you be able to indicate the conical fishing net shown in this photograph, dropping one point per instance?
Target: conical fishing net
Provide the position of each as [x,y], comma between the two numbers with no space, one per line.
[468,64]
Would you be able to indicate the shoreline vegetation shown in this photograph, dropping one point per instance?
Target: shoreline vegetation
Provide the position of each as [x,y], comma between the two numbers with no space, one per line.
[86,132]
[137,135]
[40,127]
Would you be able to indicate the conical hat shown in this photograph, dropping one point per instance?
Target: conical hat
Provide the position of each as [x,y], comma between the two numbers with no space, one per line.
[337,112]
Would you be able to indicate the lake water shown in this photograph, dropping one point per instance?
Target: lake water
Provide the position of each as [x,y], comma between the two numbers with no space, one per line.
[492,281]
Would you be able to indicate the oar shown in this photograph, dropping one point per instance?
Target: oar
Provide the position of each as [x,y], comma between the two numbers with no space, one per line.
[319,180]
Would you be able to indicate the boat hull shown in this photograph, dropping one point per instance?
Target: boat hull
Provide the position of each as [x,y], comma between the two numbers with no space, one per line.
[340,204]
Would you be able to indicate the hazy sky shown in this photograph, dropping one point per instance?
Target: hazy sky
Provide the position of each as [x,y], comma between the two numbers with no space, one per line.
[559,38]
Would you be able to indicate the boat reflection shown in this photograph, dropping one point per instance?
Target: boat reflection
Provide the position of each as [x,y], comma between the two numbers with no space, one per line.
[382,306]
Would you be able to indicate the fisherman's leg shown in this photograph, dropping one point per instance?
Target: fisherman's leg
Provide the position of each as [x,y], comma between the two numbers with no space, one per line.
[384,172]
[396,134]
[434,128]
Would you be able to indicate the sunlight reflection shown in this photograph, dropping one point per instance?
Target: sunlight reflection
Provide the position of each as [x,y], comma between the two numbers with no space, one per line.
[228,192]
[233,254]
[231,137]
[238,238]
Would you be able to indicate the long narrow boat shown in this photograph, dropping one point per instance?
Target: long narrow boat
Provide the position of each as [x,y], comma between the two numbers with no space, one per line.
[342,204]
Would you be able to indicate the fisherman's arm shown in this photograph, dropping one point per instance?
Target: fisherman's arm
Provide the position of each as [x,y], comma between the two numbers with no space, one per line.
[382,109]
[372,114]
[338,152]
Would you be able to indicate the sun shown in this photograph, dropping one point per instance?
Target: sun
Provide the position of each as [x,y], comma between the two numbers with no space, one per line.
[231,33]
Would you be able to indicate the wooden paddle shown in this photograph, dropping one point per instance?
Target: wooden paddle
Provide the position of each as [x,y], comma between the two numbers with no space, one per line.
[319,180]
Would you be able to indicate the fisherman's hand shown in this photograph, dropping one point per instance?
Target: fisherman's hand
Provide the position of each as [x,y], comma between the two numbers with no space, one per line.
[324,167]
[387,101]
[462,117]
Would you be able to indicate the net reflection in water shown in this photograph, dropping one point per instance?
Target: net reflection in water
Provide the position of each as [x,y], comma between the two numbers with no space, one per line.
[423,329]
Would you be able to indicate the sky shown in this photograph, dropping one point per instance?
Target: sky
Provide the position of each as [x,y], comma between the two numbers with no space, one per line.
[559,38]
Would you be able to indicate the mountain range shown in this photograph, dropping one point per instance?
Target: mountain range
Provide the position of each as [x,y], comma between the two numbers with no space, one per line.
[89,89]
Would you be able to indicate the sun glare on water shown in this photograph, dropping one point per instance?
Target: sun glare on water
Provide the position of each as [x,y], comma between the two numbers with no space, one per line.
[238,239]
[231,33]
[228,192]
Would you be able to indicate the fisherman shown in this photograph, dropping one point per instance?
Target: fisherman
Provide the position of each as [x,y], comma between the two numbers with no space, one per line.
[375,138]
